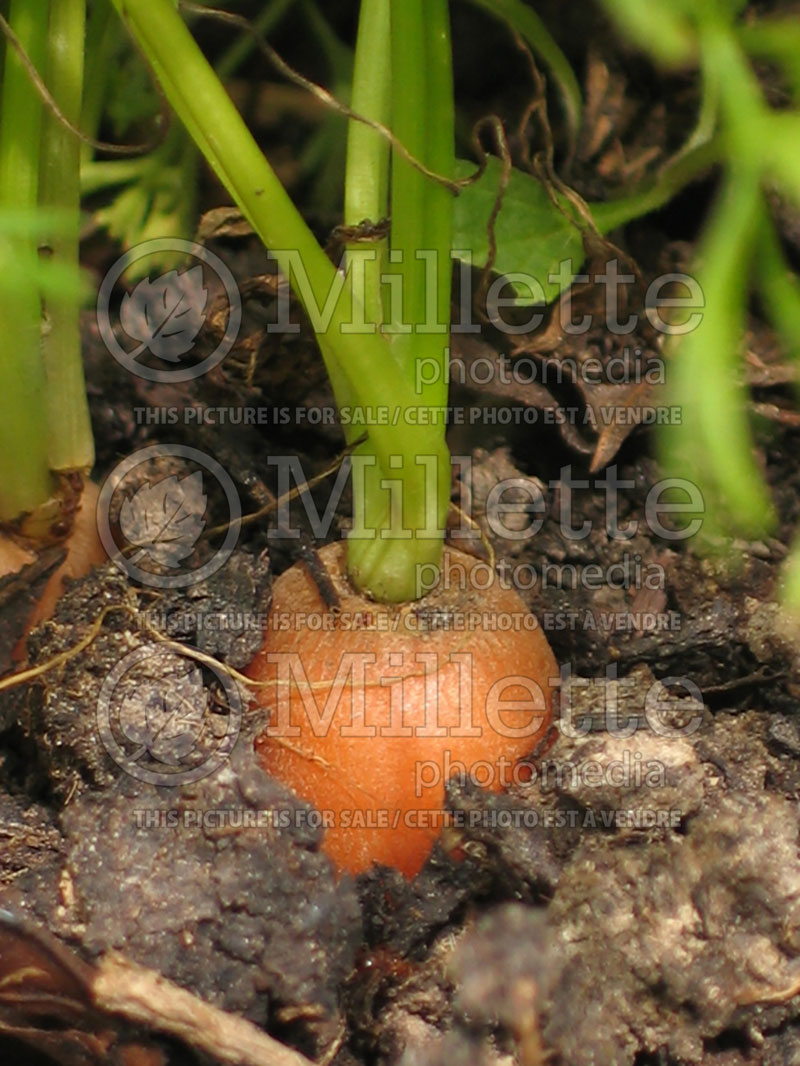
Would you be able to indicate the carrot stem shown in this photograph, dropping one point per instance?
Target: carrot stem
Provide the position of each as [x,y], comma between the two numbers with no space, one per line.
[25,481]
[70,441]
[404,437]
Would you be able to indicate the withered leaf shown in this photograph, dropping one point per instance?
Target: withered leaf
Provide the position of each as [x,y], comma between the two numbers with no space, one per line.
[81,1015]
[222,222]
[39,977]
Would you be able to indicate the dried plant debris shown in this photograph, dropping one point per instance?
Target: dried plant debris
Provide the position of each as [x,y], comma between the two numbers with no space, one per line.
[623,139]
[203,886]
[83,1015]
[248,916]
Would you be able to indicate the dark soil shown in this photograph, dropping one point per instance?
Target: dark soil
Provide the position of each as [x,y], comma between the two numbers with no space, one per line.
[637,902]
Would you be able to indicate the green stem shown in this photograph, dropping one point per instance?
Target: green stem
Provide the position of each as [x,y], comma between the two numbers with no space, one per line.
[423,119]
[25,480]
[410,126]
[421,222]
[440,157]
[366,199]
[779,286]
[713,445]
[71,446]
[206,110]
[362,361]
[422,209]
[776,38]
[367,170]
[102,42]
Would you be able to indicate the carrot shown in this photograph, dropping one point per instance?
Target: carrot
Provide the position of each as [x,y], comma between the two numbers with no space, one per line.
[378,711]
[83,549]
[372,708]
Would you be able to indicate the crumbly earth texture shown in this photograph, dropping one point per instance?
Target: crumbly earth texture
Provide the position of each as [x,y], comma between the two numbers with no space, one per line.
[637,898]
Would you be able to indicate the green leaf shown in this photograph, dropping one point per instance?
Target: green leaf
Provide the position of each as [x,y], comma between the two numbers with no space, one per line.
[780,289]
[531,234]
[131,98]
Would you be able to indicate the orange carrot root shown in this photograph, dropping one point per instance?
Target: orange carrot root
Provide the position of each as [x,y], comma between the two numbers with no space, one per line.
[84,551]
[371,710]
